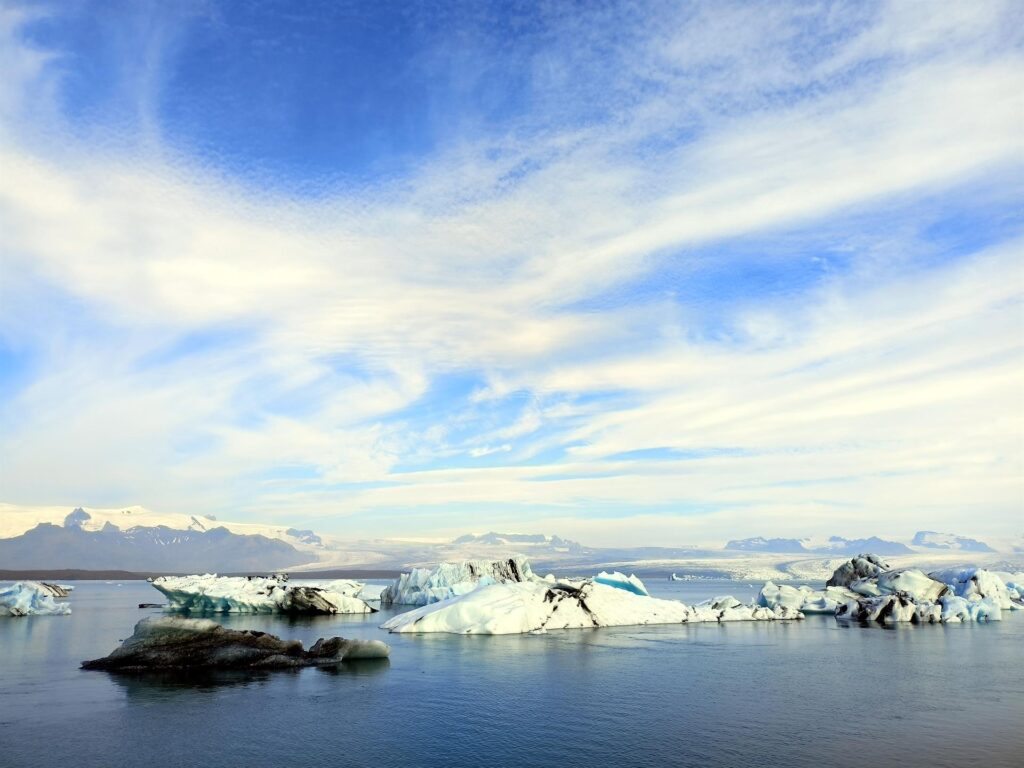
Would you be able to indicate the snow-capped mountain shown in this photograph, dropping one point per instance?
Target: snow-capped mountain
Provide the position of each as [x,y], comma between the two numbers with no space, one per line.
[836,545]
[83,543]
[934,540]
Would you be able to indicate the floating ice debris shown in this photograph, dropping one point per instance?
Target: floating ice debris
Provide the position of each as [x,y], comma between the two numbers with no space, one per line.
[423,586]
[167,642]
[536,606]
[210,593]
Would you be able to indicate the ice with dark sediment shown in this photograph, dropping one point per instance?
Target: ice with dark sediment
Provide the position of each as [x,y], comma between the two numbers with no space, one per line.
[539,606]
[170,642]
[210,593]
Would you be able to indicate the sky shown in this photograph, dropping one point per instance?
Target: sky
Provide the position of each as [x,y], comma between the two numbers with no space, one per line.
[630,273]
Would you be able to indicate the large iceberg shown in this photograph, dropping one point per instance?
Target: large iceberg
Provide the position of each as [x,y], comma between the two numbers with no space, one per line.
[860,591]
[33,598]
[210,593]
[166,642]
[977,583]
[423,586]
[896,608]
[537,606]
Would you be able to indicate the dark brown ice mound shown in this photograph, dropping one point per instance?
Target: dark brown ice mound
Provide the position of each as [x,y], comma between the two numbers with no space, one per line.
[169,642]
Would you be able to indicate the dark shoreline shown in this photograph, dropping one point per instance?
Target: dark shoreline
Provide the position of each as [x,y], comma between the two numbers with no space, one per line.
[78,574]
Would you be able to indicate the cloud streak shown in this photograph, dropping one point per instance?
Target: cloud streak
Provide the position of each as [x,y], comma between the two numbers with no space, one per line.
[508,331]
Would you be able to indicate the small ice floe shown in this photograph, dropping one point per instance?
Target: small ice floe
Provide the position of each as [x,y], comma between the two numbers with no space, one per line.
[33,598]
[537,606]
[423,586]
[210,593]
[168,643]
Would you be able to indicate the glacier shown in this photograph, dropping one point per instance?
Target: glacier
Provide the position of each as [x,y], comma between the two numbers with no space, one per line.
[33,598]
[538,606]
[210,593]
[165,642]
[423,586]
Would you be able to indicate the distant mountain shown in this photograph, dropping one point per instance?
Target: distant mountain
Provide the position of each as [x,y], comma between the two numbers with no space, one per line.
[836,545]
[142,548]
[539,540]
[934,540]
[876,546]
[761,544]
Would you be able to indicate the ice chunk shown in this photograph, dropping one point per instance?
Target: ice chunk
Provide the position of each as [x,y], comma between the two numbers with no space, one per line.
[978,583]
[166,642]
[32,598]
[210,593]
[859,567]
[908,581]
[537,606]
[896,608]
[423,586]
[621,581]
[802,598]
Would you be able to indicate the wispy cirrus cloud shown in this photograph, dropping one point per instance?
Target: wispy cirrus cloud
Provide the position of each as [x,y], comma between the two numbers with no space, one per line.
[722,269]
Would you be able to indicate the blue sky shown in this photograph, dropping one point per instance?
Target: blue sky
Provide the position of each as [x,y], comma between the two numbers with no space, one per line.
[626,272]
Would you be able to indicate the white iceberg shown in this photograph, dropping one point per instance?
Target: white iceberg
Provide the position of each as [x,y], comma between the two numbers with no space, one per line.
[537,606]
[32,598]
[977,583]
[423,586]
[802,598]
[621,581]
[210,593]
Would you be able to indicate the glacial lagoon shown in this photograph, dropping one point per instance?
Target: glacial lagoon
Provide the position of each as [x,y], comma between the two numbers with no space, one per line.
[802,693]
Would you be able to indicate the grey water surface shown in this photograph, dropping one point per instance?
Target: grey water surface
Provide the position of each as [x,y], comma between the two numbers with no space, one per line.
[811,693]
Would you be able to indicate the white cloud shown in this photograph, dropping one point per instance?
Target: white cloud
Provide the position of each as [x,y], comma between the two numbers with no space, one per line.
[890,393]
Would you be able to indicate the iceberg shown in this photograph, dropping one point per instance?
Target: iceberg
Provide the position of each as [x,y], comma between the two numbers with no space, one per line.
[859,567]
[908,581]
[167,642]
[802,598]
[538,606]
[977,583]
[211,593]
[897,608]
[621,581]
[33,598]
[423,586]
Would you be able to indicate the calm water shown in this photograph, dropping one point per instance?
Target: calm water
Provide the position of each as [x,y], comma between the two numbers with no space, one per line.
[744,694]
